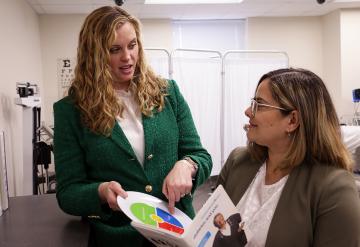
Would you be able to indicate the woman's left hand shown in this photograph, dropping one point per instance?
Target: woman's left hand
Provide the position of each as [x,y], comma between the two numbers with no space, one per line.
[178,183]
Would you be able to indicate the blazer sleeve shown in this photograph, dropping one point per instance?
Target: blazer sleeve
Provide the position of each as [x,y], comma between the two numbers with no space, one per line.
[338,216]
[231,175]
[76,195]
[226,168]
[189,140]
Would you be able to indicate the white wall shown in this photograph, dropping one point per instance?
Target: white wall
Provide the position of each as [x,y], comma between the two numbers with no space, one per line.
[300,37]
[350,58]
[20,61]
[341,39]
[332,56]
[327,45]
[157,33]
[59,36]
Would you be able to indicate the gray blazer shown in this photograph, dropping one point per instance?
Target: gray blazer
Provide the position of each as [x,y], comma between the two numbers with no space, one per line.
[319,205]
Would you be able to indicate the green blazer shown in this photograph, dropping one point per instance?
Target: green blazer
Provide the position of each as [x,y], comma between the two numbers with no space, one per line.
[83,160]
[319,205]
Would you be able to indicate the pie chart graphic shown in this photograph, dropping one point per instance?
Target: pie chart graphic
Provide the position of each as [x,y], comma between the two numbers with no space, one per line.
[156,217]
[152,211]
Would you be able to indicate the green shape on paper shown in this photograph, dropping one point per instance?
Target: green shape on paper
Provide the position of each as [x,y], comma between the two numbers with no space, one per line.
[143,212]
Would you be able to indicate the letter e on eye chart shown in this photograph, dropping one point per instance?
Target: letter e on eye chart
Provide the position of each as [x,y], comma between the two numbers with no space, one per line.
[65,73]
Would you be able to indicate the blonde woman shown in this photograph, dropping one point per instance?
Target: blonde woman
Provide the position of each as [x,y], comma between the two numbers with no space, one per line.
[122,128]
[293,184]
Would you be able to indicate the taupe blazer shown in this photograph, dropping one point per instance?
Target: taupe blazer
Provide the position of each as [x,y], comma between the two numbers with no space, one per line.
[319,205]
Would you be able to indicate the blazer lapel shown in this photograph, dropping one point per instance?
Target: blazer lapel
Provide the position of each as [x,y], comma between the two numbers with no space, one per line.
[149,125]
[120,139]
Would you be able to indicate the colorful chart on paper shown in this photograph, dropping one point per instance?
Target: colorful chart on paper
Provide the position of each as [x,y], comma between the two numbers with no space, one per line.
[152,211]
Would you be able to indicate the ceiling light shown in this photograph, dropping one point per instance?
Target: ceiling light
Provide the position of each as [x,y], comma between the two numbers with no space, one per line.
[191,1]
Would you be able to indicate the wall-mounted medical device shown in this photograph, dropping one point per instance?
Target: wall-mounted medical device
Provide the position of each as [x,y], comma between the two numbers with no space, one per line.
[28,97]
[356,95]
[25,89]
[28,94]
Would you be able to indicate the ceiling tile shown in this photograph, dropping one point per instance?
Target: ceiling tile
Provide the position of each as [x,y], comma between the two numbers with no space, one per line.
[67,9]
[248,8]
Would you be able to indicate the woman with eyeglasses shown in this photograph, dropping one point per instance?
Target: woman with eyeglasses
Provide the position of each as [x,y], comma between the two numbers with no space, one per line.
[293,184]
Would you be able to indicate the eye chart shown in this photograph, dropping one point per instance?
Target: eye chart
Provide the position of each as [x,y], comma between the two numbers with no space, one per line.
[65,67]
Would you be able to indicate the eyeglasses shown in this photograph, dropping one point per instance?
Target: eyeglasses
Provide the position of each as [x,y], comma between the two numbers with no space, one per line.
[254,107]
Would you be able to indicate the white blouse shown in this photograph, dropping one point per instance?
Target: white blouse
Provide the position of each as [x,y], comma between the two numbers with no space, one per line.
[131,124]
[257,207]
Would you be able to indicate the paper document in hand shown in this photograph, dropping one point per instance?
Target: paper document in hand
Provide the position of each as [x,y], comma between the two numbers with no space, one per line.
[150,216]
[149,210]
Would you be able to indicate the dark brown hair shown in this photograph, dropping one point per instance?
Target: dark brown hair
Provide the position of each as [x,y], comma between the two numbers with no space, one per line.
[318,137]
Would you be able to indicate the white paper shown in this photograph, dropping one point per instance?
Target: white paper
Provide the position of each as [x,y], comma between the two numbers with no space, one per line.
[199,232]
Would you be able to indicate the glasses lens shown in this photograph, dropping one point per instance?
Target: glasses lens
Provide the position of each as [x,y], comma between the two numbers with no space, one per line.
[253,107]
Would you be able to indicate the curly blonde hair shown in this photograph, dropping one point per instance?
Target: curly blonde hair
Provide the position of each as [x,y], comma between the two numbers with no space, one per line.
[92,89]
